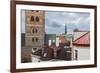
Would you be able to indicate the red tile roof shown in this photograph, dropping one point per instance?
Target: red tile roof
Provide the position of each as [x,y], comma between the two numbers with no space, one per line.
[83,40]
[62,39]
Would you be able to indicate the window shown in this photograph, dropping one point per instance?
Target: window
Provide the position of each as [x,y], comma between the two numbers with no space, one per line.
[37,19]
[76,54]
[32,39]
[37,11]
[37,39]
[33,30]
[36,30]
[32,10]
[32,18]
[53,41]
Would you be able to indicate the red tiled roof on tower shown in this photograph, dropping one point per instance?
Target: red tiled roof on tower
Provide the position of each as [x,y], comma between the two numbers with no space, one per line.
[83,40]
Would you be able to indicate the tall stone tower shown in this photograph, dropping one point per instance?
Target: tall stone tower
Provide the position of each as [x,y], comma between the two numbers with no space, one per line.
[34,28]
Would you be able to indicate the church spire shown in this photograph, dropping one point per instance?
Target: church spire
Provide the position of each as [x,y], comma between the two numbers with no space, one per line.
[65,28]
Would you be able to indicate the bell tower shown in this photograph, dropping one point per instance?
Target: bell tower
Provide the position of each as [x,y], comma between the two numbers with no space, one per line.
[34,28]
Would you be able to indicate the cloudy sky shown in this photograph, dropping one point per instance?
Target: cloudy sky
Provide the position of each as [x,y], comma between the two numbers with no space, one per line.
[55,21]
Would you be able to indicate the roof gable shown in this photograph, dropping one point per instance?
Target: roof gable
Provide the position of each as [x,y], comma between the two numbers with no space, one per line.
[83,40]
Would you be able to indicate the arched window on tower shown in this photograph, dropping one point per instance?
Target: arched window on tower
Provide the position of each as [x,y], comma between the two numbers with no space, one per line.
[37,11]
[36,30]
[33,30]
[37,19]
[32,39]
[32,10]
[37,39]
[32,18]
